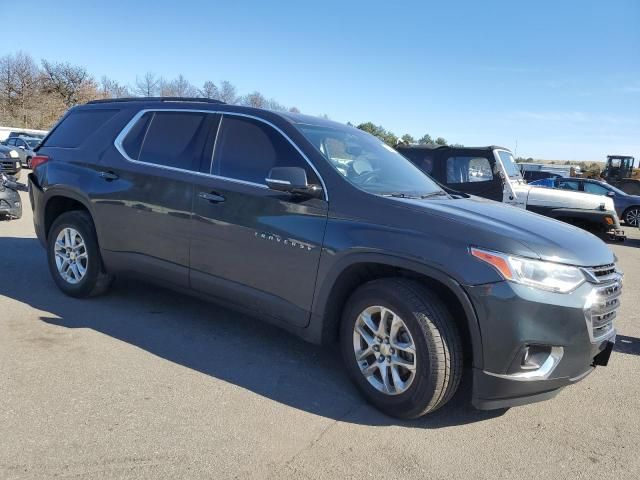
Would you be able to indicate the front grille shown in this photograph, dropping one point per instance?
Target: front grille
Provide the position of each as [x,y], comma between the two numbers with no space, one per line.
[7,165]
[604,301]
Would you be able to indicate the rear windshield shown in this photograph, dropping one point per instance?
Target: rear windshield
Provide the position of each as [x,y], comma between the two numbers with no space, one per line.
[76,127]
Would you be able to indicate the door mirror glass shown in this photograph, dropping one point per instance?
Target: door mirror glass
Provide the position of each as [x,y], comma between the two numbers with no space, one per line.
[292,180]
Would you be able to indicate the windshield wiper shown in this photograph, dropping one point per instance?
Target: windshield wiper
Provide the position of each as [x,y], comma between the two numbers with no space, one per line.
[399,195]
[439,193]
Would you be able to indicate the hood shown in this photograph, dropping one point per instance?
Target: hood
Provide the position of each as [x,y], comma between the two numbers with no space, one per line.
[496,226]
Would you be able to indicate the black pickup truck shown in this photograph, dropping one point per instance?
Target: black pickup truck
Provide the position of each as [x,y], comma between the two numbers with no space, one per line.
[329,233]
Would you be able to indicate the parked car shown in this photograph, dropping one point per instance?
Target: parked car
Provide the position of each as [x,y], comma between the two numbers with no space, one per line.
[502,181]
[10,202]
[30,134]
[25,147]
[329,233]
[627,206]
[10,161]
[533,175]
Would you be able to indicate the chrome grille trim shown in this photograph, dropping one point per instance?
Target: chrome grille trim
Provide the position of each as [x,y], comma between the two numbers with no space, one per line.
[601,273]
[601,308]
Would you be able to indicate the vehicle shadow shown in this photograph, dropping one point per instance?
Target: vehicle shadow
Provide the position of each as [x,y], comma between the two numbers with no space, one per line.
[212,340]
[628,345]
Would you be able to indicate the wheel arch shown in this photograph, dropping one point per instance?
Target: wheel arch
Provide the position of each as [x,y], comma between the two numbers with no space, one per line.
[58,202]
[356,269]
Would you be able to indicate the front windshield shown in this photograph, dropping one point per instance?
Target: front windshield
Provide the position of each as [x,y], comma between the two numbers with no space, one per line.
[510,166]
[368,163]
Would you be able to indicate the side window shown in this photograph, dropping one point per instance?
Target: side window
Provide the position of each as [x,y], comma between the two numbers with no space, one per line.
[77,126]
[595,188]
[568,184]
[246,149]
[11,142]
[174,139]
[468,170]
[133,141]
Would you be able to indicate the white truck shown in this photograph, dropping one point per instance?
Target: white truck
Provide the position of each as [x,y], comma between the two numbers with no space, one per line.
[492,172]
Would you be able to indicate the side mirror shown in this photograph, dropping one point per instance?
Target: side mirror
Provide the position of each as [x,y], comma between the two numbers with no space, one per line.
[292,180]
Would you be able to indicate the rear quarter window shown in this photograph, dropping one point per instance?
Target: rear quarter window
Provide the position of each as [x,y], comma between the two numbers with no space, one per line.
[76,127]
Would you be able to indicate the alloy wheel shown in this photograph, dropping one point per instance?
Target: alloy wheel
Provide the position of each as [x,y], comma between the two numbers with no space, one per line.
[71,255]
[632,217]
[385,350]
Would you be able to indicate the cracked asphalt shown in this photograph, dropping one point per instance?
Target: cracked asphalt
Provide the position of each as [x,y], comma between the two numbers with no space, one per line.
[146,383]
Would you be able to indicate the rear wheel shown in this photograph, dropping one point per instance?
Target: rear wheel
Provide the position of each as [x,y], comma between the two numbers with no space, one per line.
[74,256]
[401,347]
[632,217]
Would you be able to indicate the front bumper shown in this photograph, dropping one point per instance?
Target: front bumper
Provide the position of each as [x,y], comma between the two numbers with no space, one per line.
[515,320]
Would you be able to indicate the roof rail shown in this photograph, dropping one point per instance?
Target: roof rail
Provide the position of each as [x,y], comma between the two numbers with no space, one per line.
[155,99]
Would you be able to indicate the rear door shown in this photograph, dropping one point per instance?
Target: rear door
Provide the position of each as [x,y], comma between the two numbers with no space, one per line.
[146,216]
[251,245]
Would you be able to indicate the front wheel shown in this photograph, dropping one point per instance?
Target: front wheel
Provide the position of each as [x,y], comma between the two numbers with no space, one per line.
[74,256]
[401,347]
[632,217]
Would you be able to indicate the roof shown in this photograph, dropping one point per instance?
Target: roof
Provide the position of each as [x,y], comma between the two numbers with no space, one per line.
[431,146]
[155,99]
[293,118]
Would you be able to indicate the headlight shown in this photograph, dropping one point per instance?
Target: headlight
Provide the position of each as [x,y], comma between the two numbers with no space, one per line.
[14,154]
[549,276]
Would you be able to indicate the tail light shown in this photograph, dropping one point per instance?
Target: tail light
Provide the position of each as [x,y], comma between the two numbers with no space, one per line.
[38,160]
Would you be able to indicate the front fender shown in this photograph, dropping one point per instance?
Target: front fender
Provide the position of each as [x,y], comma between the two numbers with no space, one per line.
[321,322]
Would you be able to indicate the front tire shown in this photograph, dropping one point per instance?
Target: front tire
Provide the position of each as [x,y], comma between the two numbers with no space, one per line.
[398,324]
[74,257]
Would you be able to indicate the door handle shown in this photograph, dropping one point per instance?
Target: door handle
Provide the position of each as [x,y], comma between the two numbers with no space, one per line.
[108,176]
[211,197]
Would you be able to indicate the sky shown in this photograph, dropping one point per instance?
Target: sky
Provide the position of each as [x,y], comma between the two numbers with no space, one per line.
[556,80]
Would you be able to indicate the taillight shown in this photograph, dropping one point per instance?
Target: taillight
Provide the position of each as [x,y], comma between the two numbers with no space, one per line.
[38,160]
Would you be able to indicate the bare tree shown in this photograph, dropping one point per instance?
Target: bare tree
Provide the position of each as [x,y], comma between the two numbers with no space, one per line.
[255,99]
[147,86]
[294,110]
[71,83]
[19,87]
[228,92]
[210,90]
[273,104]
[112,89]
[179,87]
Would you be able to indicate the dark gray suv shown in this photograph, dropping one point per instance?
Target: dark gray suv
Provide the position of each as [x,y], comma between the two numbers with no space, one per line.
[329,233]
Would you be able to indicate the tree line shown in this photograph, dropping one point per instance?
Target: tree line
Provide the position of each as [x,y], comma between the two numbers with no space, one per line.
[35,95]
[392,139]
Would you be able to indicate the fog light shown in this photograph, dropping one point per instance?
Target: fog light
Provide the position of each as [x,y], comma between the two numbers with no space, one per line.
[17,204]
[609,220]
[534,362]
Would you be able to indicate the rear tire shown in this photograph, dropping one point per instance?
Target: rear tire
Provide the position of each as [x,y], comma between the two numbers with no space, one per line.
[426,323]
[74,256]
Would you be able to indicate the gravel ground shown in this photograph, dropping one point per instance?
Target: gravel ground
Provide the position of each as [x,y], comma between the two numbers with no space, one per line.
[146,383]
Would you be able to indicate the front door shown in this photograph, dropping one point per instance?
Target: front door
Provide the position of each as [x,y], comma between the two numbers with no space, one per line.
[251,245]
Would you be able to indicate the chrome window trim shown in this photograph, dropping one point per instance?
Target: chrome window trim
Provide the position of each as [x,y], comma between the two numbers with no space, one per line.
[127,128]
